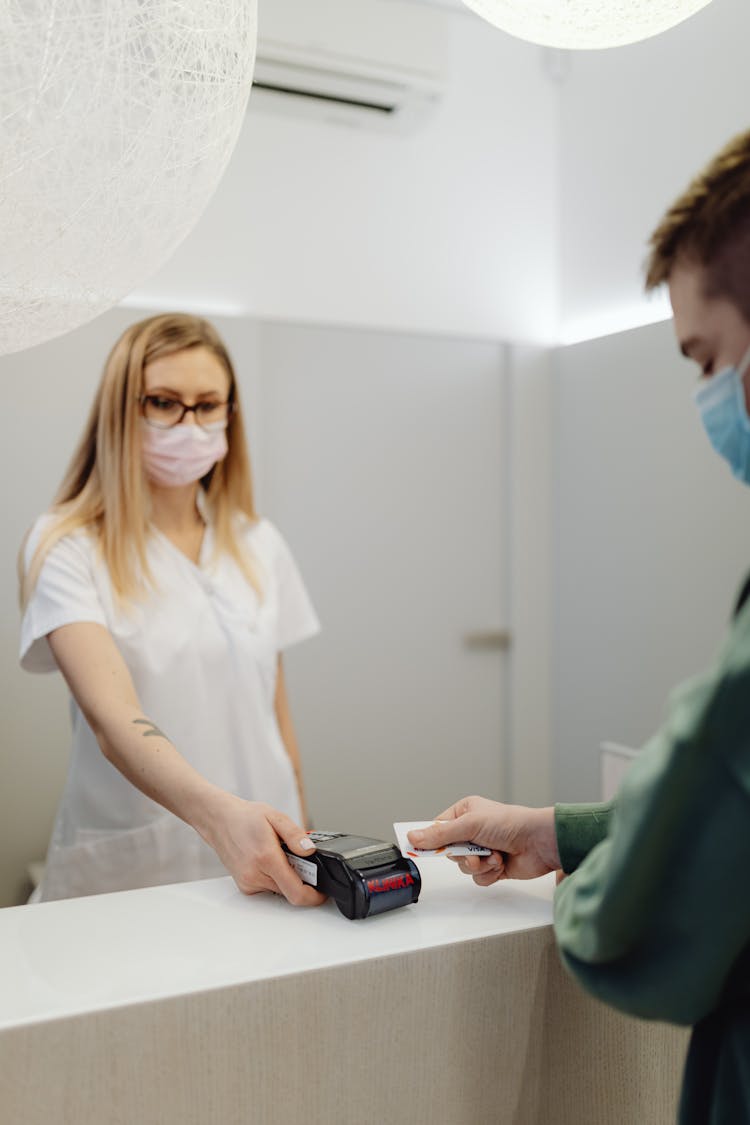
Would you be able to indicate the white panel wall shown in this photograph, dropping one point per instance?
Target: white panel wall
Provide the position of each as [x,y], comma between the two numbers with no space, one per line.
[652,540]
[530,475]
[635,125]
[385,463]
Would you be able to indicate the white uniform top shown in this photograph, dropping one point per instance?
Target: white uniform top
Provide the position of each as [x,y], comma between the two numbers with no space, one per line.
[202,650]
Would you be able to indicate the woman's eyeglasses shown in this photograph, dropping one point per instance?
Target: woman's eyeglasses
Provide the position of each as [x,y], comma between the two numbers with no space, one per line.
[164,412]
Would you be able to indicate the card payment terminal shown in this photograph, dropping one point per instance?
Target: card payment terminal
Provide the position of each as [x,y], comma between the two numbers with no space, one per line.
[364,876]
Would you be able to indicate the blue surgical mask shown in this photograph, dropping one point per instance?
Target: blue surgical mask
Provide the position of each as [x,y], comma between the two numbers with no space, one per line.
[721,402]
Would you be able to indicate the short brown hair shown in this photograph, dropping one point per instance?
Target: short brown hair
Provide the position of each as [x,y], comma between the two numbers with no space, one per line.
[710,224]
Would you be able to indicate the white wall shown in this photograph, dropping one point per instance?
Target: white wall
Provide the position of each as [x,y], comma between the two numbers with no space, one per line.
[530,478]
[651,543]
[385,461]
[314,222]
[47,391]
[520,213]
[635,125]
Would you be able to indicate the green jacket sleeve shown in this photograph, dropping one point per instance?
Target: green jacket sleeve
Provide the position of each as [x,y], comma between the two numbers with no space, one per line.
[579,828]
[658,911]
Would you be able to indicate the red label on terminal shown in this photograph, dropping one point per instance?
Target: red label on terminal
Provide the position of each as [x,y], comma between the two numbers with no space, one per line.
[391,883]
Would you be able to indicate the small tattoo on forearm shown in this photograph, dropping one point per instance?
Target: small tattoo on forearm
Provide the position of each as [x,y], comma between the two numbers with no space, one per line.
[152,732]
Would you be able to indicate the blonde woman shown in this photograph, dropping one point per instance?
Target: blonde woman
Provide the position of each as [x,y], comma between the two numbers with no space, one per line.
[164,600]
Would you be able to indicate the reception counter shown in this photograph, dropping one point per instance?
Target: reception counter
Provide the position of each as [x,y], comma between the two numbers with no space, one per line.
[194,1005]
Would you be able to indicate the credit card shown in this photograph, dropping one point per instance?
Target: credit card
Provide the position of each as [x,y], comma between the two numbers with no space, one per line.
[407,848]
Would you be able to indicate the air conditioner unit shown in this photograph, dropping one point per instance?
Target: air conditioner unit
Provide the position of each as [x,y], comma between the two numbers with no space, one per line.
[369,63]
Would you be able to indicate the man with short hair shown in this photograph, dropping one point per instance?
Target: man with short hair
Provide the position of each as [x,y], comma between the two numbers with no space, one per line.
[655,915]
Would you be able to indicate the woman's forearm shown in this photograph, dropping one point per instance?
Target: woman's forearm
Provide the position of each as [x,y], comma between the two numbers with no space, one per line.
[145,756]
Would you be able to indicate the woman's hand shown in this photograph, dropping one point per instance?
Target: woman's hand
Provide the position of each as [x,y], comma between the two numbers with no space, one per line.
[245,835]
[523,840]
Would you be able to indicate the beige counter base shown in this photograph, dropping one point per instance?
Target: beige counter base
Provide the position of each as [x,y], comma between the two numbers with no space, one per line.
[486,1032]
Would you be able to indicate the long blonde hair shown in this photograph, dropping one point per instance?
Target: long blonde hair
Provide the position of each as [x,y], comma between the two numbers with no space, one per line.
[105,489]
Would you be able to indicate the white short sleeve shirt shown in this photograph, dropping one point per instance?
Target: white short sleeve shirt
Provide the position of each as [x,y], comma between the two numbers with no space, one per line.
[202,648]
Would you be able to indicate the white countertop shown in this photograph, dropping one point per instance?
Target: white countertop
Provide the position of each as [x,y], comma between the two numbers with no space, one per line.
[86,954]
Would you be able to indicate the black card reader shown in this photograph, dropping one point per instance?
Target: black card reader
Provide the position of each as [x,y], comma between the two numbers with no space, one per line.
[364,876]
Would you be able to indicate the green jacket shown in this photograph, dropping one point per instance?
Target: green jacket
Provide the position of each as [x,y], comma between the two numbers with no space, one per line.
[655,916]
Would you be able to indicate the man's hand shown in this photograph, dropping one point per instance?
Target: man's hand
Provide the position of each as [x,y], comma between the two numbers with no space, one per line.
[523,840]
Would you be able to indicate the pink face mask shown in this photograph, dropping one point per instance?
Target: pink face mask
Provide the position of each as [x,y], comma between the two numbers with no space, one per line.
[182,454]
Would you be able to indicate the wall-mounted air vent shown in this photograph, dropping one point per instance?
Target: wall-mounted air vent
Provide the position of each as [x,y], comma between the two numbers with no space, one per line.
[356,62]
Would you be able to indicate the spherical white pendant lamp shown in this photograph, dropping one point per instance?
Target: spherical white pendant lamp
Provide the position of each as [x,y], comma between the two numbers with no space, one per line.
[585,24]
[117,119]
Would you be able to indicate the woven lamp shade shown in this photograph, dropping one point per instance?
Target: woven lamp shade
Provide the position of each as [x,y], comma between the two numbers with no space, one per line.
[117,119]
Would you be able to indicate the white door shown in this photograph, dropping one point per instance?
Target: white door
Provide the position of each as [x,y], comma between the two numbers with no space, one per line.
[383,463]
